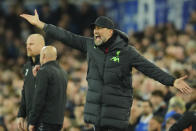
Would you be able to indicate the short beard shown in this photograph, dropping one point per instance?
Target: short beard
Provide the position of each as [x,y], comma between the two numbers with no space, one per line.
[98,43]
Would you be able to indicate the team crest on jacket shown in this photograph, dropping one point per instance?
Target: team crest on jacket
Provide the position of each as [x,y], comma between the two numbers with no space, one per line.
[116,58]
[26,72]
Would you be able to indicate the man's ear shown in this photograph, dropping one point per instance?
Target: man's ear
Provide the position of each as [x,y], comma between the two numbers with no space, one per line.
[111,31]
[44,56]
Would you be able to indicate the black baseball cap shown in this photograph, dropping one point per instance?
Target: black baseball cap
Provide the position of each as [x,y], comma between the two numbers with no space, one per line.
[103,21]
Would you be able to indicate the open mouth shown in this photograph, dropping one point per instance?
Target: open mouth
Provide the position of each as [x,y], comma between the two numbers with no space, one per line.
[97,37]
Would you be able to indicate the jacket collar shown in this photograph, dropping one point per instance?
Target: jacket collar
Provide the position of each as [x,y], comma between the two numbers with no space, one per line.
[49,62]
[109,43]
[121,40]
[118,40]
[37,62]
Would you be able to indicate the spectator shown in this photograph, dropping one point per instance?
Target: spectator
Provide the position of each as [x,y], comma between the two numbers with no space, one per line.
[158,104]
[145,117]
[155,123]
[136,112]
[176,106]
[187,121]
[172,120]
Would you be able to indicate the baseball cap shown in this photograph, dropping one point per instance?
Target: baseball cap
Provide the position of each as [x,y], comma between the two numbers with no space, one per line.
[103,21]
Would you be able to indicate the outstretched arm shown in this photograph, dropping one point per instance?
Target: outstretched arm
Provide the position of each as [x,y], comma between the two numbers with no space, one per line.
[153,71]
[57,33]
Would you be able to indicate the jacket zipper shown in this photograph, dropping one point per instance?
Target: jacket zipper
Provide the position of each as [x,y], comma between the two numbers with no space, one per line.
[101,96]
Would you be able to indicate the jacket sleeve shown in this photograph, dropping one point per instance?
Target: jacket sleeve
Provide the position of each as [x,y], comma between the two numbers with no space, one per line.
[68,38]
[183,123]
[149,69]
[39,96]
[22,108]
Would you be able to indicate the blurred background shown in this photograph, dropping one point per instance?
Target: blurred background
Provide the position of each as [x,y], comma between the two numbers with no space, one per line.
[162,30]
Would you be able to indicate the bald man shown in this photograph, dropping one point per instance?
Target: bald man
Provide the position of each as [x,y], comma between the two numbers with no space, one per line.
[34,44]
[50,93]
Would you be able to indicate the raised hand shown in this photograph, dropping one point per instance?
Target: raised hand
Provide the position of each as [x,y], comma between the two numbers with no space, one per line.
[182,85]
[33,19]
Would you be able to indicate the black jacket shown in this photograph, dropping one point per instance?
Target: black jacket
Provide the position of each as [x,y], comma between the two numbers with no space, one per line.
[28,88]
[50,95]
[187,120]
[109,96]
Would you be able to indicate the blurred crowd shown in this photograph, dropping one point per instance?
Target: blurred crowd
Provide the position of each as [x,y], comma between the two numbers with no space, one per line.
[155,106]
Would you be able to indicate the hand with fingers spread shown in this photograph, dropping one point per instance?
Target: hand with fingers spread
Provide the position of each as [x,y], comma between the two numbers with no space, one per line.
[181,85]
[33,19]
